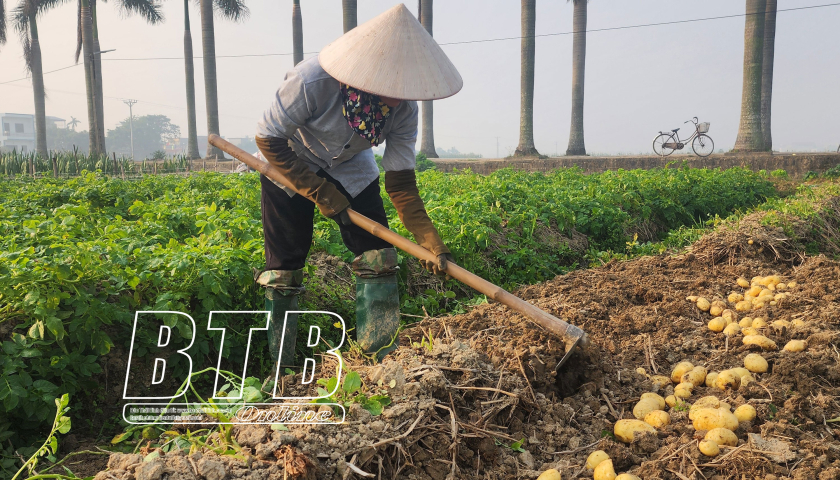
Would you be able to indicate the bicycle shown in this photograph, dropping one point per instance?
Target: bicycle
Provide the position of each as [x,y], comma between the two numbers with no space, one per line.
[666,142]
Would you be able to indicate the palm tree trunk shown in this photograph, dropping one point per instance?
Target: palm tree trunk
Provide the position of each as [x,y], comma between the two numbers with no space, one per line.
[37,71]
[211,97]
[750,138]
[87,52]
[97,71]
[427,144]
[189,69]
[526,116]
[349,9]
[297,32]
[576,145]
[767,72]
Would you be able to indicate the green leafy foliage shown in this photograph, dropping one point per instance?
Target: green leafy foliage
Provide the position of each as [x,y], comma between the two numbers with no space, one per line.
[353,391]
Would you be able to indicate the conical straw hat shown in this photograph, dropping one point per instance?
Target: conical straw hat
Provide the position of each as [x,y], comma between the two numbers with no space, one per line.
[392,55]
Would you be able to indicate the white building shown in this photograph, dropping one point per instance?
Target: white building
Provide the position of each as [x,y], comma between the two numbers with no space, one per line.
[18,131]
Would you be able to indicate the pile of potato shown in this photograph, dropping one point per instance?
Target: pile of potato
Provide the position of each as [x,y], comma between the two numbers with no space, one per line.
[602,467]
[708,413]
[762,292]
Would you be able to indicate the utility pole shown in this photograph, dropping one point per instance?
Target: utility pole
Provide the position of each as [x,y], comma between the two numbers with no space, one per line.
[130,104]
[497,147]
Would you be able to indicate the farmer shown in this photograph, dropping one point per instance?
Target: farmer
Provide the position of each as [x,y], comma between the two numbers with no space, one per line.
[359,92]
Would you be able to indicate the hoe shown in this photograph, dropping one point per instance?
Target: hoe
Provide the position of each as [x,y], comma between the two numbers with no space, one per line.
[572,336]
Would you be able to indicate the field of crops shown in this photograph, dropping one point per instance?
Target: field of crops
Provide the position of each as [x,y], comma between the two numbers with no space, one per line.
[80,256]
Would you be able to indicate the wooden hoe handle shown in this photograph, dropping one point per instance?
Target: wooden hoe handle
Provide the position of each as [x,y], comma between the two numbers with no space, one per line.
[570,333]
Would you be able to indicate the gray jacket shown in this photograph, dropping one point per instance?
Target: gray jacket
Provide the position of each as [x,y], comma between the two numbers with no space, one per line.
[307,110]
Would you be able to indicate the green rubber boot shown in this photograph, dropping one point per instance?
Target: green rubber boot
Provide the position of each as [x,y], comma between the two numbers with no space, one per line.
[282,289]
[377,301]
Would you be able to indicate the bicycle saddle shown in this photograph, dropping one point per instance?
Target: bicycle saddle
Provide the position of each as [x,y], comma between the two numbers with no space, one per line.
[675,130]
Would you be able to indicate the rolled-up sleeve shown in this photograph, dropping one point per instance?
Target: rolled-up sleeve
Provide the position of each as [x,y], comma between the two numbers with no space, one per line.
[288,112]
[400,140]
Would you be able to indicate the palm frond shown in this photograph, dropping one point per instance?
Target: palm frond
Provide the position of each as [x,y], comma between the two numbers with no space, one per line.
[148,9]
[20,22]
[232,9]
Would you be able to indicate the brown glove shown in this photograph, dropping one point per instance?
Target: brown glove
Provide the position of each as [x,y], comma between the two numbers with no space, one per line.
[281,156]
[401,186]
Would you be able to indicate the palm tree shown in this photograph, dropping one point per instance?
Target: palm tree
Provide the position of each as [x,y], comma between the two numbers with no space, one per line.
[192,134]
[297,32]
[576,145]
[349,8]
[427,145]
[25,23]
[88,40]
[750,138]
[526,116]
[231,9]
[73,122]
[767,72]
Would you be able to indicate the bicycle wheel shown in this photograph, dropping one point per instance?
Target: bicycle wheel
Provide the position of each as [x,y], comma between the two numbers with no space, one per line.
[703,145]
[660,147]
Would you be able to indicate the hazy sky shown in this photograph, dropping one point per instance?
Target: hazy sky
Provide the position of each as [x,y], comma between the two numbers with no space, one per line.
[638,81]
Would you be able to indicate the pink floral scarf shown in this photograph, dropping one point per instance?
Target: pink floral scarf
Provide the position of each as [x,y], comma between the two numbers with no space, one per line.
[365,113]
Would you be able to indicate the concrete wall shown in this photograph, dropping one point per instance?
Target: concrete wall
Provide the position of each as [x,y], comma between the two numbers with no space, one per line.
[797,165]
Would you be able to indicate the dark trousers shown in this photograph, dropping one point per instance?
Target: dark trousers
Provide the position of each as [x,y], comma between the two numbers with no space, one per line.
[287,223]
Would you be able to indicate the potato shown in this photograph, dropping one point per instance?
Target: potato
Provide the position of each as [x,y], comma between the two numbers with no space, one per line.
[771,287]
[710,418]
[703,304]
[745,413]
[679,370]
[660,380]
[550,474]
[743,306]
[746,380]
[659,400]
[795,346]
[772,280]
[715,310]
[742,282]
[604,471]
[745,322]
[754,291]
[729,315]
[760,341]
[739,371]
[781,286]
[717,324]
[758,304]
[791,284]
[727,379]
[595,458]
[711,377]
[797,323]
[725,406]
[696,376]
[758,323]
[670,400]
[732,329]
[641,371]
[773,303]
[683,392]
[709,448]
[755,363]
[645,406]
[658,419]
[625,429]
[756,280]
[722,436]
[780,324]
[627,476]
[749,331]
[692,298]
[705,402]
[735,297]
